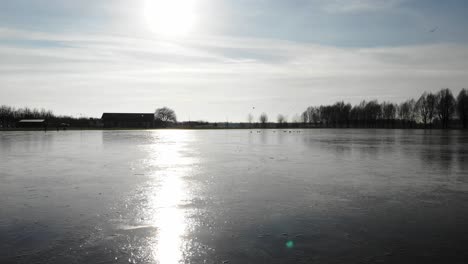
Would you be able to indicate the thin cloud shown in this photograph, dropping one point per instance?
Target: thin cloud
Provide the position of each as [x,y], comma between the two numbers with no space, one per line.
[207,71]
[354,6]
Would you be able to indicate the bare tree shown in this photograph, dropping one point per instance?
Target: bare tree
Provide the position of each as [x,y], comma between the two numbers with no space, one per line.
[425,108]
[341,113]
[281,119]
[309,113]
[462,107]
[305,117]
[165,114]
[389,111]
[445,106]
[431,101]
[314,116]
[263,119]
[372,113]
[406,111]
[6,115]
[250,118]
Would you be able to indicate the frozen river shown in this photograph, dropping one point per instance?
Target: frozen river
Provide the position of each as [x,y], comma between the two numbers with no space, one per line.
[234,196]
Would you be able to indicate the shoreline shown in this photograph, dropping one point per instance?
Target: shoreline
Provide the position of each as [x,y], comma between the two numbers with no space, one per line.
[224,128]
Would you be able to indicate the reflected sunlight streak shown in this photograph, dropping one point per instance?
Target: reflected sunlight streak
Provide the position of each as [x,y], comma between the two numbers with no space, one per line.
[171,166]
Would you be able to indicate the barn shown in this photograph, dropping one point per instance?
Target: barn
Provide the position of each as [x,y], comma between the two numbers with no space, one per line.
[128,120]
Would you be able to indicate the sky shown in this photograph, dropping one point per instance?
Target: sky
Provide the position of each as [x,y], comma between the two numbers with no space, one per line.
[219,60]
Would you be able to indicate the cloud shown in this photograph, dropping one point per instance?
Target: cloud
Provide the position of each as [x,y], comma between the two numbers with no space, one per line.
[211,77]
[354,6]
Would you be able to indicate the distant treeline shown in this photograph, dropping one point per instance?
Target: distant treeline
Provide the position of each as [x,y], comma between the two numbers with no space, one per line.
[439,110]
[9,116]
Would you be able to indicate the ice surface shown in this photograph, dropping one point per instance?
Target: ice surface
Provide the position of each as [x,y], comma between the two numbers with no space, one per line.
[231,196]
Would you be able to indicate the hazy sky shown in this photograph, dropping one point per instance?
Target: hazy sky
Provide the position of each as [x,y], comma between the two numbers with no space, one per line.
[215,60]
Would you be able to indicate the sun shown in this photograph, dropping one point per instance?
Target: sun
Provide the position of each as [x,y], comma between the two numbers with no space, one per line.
[170,17]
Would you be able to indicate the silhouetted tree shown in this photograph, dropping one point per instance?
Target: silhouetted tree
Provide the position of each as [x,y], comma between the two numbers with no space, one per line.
[431,101]
[425,108]
[389,111]
[445,106]
[406,112]
[324,115]
[281,119]
[314,115]
[341,113]
[372,113]
[250,119]
[305,117]
[356,115]
[165,114]
[263,119]
[462,107]
[6,116]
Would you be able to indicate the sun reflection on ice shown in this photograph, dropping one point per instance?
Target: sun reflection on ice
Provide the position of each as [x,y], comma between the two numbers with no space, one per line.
[171,165]
[170,222]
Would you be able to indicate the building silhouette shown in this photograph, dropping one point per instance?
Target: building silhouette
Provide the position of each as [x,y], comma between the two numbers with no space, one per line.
[128,120]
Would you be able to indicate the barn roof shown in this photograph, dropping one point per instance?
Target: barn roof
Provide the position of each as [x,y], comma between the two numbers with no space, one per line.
[32,120]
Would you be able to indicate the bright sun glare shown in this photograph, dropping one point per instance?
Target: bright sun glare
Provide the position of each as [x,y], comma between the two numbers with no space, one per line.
[170,17]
